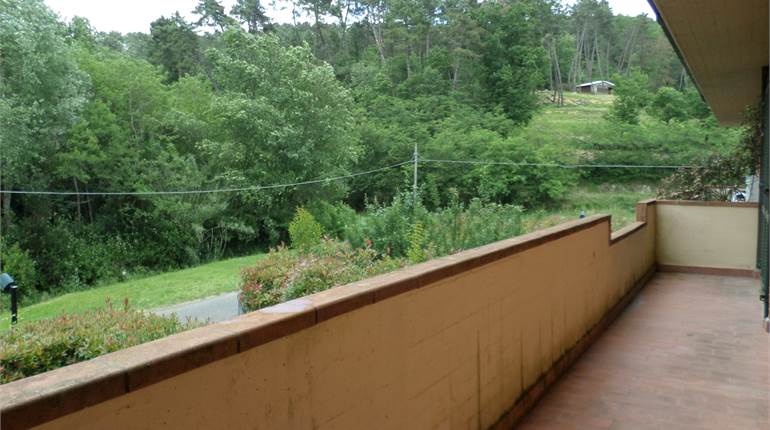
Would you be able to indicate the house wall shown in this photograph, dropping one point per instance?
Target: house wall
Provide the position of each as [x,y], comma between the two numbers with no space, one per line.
[458,342]
[707,235]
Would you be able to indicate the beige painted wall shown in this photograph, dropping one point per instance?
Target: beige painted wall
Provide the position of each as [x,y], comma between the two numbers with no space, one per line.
[722,237]
[455,354]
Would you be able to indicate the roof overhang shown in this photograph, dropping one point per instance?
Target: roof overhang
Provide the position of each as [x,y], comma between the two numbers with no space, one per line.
[724,45]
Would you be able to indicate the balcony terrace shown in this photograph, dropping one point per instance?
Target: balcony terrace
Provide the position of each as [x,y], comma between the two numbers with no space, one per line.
[472,340]
[686,354]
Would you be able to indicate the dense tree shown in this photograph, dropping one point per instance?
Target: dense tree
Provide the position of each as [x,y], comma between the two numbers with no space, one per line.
[669,105]
[512,57]
[632,94]
[173,46]
[280,119]
[41,93]
[212,14]
[251,13]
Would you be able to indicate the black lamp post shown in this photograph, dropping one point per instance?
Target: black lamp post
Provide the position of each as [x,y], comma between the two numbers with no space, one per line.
[8,285]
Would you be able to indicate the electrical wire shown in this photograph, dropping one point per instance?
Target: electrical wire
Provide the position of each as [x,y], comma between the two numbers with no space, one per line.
[208,191]
[342,177]
[557,165]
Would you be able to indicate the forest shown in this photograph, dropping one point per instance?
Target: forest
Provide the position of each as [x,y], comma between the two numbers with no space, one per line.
[114,122]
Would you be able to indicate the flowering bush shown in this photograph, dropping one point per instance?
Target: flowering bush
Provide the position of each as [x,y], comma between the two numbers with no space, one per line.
[40,346]
[284,275]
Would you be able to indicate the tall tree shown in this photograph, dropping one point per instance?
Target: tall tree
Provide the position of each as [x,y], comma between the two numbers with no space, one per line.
[174,46]
[511,57]
[592,22]
[212,14]
[251,13]
[282,119]
[41,93]
[317,9]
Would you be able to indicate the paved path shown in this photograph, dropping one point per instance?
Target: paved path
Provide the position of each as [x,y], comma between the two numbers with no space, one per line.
[213,309]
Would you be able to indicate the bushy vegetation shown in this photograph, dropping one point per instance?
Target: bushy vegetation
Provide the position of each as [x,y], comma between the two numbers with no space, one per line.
[720,176]
[304,230]
[284,275]
[383,239]
[45,345]
[399,227]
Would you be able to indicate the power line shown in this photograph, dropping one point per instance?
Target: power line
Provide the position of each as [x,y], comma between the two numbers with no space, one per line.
[415,161]
[208,191]
[557,165]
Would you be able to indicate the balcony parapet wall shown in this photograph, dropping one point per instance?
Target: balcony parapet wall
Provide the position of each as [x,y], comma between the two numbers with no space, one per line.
[707,237]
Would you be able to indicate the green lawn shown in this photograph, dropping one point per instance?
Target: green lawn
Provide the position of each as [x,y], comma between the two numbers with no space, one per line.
[145,293]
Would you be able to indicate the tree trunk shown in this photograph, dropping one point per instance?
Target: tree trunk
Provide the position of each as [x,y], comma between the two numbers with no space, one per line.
[377,33]
[455,74]
[77,196]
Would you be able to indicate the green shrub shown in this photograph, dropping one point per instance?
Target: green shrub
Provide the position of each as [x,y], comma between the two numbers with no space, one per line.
[459,227]
[393,230]
[21,266]
[386,228]
[335,219]
[669,105]
[76,256]
[417,244]
[632,94]
[283,275]
[304,230]
[40,346]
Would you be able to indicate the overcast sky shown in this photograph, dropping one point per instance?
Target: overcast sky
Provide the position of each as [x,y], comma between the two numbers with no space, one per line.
[136,15]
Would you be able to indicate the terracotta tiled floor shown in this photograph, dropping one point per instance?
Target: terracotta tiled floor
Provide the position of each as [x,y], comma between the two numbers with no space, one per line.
[689,353]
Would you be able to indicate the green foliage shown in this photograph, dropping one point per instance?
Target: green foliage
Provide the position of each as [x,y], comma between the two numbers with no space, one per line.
[386,228]
[719,175]
[304,230]
[511,57]
[416,233]
[631,96]
[458,226]
[212,14]
[38,347]
[669,105]
[279,118]
[21,266]
[174,46]
[251,13]
[284,275]
[416,252]
[41,90]
[334,219]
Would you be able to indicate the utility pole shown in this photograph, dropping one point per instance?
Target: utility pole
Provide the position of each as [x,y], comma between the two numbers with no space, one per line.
[414,186]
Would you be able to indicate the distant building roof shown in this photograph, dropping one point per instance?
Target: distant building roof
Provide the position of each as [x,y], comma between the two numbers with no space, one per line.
[591,84]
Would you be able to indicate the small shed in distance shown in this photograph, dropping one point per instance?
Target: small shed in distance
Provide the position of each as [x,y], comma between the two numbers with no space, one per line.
[595,87]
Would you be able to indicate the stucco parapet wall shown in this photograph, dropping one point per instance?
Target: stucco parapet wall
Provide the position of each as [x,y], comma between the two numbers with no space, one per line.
[45,397]
[748,205]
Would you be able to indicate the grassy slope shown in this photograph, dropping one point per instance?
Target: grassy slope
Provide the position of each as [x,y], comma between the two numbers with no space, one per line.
[575,122]
[618,201]
[146,293]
